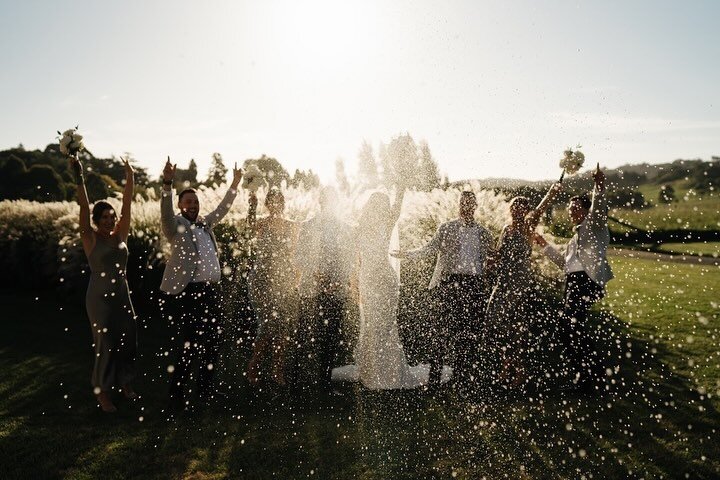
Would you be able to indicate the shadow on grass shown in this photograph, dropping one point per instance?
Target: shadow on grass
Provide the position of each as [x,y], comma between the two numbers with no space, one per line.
[643,422]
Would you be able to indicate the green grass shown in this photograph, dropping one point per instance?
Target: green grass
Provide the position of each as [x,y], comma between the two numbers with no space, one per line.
[689,211]
[658,418]
[692,248]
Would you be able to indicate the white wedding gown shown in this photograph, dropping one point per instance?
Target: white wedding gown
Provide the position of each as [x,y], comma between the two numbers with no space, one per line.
[380,362]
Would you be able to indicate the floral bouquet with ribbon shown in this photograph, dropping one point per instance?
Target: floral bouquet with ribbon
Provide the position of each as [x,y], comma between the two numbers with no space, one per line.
[253,179]
[572,161]
[71,142]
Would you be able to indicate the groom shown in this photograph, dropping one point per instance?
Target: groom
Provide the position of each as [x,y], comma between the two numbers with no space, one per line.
[461,247]
[586,273]
[191,282]
[323,257]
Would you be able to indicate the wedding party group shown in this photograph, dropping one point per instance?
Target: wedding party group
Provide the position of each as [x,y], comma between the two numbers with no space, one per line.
[304,276]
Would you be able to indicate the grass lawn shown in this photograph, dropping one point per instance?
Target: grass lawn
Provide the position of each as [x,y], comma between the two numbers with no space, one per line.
[692,248]
[689,211]
[657,417]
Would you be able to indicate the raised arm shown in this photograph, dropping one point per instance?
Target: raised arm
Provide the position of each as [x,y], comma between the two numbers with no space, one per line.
[168,222]
[252,212]
[122,229]
[551,252]
[214,217]
[87,235]
[534,216]
[397,206]
[598,209]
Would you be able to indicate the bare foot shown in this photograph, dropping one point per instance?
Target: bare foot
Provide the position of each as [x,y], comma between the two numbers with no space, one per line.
[106,403]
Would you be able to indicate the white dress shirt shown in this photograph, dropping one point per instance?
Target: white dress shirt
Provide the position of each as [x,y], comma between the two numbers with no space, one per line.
[469,261]
[572,259]
[208,265]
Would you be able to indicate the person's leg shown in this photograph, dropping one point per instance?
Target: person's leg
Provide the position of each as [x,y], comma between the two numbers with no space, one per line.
[465,329]
[442,306]
[209,337]
[329,328]
[182,309]
[580,295]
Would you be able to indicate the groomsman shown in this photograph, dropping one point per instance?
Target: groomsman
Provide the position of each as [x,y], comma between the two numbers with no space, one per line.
[324,258]
[587,271]
[191,282]
[461,247]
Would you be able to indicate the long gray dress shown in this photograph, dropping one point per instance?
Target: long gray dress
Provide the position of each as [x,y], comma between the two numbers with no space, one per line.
[508,313]
[112,318]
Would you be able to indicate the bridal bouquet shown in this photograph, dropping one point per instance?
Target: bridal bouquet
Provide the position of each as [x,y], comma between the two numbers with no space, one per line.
[572,161]
[253,179]
[71,142]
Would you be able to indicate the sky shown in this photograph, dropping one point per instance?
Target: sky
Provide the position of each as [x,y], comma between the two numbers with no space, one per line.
[497,89]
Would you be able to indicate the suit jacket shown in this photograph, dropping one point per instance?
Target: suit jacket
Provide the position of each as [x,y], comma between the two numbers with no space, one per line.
[592,237]
[446,245]
[182,263]
[308,251]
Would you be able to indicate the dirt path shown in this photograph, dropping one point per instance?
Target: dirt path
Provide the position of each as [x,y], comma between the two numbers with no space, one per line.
[665,257]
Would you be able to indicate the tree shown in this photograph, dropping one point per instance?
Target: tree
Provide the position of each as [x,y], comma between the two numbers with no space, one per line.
[626,198]
[99,186]
[666,194]
[187,178]
[218,171]
[340,176]
[274,172]
[428,174]
[12,169]
[403,159]
[367,167]
[386,170]
[42,183]
[307,180]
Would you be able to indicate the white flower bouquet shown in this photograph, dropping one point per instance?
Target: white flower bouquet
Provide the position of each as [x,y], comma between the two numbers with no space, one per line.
[253,179]
[572,161]
[71,142]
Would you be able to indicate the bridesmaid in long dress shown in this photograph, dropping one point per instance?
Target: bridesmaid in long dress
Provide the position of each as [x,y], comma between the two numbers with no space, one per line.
[508,313]
[272,287]
[108,303]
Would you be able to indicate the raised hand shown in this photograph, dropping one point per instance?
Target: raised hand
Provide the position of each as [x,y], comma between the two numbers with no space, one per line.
[129,171]
[252,200]
[237,176]
[398,254]
[599,178]
[169,172]
[539,240]
[76,167]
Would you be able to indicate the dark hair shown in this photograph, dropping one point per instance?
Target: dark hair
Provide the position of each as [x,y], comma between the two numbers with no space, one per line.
[272,194]
[583,199]
[187,190]
[520,201]
[467,193]
[98,209]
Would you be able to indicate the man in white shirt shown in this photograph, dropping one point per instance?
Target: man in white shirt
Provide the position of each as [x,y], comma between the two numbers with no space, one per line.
[191,282]
[587,271]
[324,258]
[461,247]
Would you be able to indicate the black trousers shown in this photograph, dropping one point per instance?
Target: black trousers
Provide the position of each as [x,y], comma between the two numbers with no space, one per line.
[581,293]
[319,336]
[459,302]
[196,314]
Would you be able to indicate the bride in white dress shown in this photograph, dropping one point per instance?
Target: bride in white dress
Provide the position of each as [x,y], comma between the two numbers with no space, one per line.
[380,362]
